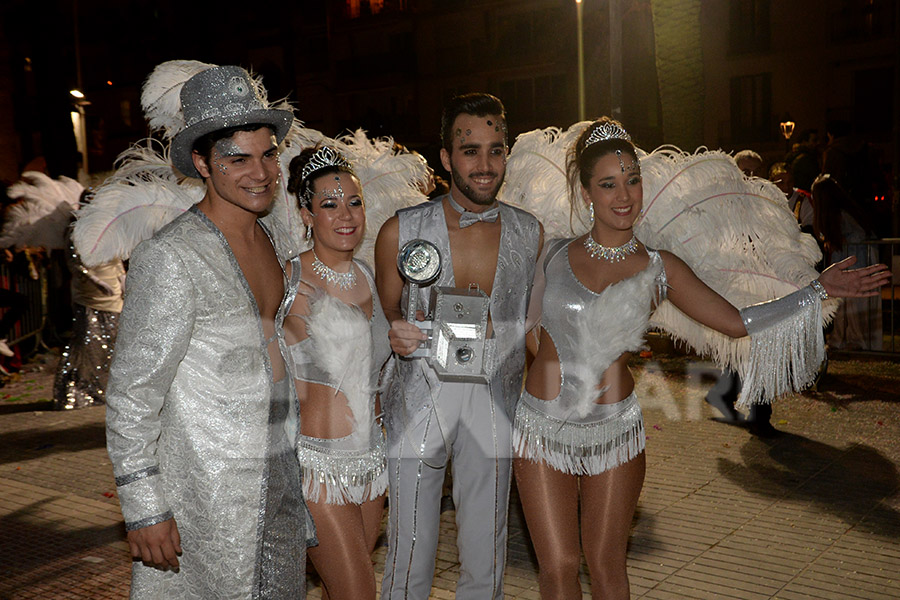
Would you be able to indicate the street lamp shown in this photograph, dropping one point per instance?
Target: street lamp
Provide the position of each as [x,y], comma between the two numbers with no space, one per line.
[80,127]
[787,130]
[581,111]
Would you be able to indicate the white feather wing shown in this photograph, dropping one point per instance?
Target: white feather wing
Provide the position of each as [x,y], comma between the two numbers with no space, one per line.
[536,180]
[142,196]
[42,213]
[736,234]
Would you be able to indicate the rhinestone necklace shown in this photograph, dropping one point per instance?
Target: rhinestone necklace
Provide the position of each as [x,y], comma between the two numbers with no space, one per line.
[343,281]
[612,254]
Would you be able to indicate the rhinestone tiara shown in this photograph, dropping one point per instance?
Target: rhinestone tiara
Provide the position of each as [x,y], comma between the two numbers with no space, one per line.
[607,131]
[326,156]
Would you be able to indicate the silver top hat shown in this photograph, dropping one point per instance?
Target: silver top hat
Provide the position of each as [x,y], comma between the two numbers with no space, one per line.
[220,98]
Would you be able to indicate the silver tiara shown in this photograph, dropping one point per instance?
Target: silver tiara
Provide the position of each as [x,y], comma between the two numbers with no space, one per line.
[326,156]
[607,131]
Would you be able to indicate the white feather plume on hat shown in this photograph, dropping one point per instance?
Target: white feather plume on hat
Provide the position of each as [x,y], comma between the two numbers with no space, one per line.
[43,212]
[161,94]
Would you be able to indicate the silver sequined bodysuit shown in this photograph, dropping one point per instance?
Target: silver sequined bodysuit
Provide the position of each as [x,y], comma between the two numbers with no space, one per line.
[350,468]
[572,432]
[574,316]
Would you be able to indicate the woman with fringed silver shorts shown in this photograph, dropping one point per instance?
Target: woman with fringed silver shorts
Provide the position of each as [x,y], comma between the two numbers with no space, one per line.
[337,341]
[579,436]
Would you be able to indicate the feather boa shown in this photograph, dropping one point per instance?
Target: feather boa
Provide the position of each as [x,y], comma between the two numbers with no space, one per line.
[42,213]
[342,342]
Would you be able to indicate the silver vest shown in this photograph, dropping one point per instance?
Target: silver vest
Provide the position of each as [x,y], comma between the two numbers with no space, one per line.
[415,383]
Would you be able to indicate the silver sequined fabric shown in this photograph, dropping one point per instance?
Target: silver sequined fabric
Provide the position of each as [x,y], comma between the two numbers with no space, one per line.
[569,309]
[519,239]
[83,369]
[196,426]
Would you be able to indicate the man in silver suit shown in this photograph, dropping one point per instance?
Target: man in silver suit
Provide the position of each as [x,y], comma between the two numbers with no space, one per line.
[493,246]
[200,421]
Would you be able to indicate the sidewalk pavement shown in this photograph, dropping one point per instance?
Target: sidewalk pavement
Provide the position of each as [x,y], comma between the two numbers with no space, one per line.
[811,514]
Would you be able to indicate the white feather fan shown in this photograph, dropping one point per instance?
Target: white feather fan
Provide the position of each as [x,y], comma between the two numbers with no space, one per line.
[737,234]
[536,180]
[42,213]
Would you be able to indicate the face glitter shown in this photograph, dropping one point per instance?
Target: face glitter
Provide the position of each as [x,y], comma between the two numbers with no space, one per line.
[335,192]
[621,162]
[227,147]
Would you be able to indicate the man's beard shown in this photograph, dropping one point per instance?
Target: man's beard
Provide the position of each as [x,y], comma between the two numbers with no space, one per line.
[476,198]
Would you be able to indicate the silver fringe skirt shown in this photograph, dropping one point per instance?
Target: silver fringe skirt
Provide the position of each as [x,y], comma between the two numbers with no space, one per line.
[611,435]
[347,475]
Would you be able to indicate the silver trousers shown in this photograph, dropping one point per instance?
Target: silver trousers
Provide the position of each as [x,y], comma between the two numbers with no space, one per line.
[468,427]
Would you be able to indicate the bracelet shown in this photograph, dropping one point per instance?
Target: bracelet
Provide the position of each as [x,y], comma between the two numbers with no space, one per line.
[819,288]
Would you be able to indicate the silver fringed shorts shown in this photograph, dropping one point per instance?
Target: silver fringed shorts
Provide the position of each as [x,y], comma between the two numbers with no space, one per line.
[611,435]
[345,474]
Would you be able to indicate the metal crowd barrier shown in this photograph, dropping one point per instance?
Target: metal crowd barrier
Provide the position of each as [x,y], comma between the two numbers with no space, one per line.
[886,251]
[34,317]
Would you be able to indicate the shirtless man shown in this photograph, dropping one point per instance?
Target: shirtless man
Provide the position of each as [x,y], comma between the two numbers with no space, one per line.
[198,398]
[494,246]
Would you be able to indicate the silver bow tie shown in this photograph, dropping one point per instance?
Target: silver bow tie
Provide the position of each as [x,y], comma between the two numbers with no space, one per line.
[467,217]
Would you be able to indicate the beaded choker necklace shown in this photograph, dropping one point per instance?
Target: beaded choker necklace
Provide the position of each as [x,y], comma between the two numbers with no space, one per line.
[343,281]
[612,254]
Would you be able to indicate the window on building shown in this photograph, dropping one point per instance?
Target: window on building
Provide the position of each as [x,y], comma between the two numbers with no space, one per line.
[873,102]
[525,34]
[354,9]
[748,26]
[855,20]
[751,108]
[535,99]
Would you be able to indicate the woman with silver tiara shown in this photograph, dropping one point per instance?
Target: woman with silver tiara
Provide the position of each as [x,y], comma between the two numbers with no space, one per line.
[578,427]
[337,343]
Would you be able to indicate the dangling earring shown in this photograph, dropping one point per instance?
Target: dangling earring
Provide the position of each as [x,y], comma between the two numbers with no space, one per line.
[591,205]
[308,232]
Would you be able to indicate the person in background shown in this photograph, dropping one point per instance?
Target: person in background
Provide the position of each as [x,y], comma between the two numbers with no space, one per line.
[842,226]
[83,370]
[799,201]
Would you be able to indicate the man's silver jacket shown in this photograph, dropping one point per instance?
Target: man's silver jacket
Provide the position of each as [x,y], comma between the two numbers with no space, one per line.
[195,426]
